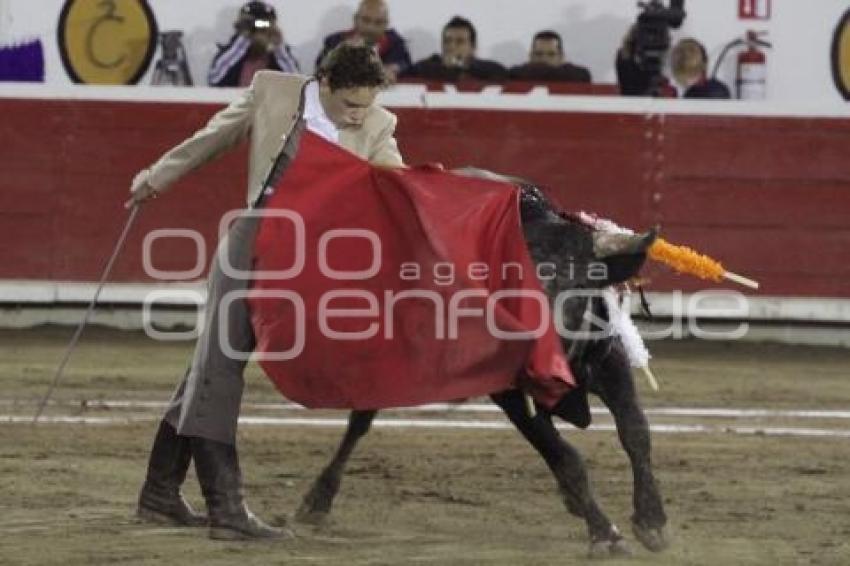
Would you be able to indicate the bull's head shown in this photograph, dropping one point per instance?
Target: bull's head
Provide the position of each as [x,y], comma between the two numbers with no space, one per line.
[585,258]
[571,255]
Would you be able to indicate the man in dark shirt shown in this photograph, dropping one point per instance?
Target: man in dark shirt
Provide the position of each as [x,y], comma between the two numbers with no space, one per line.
[370,28]
[546,62]
[457,60]
[689,62]
[257,45]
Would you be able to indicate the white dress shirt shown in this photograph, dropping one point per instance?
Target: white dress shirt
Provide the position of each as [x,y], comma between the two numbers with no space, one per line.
[315,116]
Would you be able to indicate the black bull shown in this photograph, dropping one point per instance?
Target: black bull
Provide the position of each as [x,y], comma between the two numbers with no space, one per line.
[600,366]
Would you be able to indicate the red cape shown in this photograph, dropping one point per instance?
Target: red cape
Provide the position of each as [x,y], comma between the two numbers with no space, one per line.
[423,216]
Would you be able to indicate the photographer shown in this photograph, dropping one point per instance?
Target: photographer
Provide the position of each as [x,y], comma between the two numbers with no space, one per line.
[257,45]
[641,57]
[633,79]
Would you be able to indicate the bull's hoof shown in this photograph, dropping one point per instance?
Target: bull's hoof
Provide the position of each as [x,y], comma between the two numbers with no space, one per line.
[315,508]
[307,516]
[653,539]
[602,549]
[611,546]
[316,505]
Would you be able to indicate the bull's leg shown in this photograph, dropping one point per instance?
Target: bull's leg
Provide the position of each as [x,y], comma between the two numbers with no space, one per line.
[569,470]
[615,386]
[316,505]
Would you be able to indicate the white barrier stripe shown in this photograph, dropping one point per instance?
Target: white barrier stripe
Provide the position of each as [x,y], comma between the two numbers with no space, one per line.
[709,412]
[75,420]
[445,425]
[746,413]
[417,96]
[762,308]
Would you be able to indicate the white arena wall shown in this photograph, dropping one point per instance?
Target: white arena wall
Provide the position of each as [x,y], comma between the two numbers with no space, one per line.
[799,65]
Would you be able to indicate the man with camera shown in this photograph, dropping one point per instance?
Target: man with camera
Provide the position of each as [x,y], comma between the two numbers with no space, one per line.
[257,45]
[640,59]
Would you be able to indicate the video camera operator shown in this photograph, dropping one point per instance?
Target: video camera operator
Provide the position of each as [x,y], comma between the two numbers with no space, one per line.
[640,59]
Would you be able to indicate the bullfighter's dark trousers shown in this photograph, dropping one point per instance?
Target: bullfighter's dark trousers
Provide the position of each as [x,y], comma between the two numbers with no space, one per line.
[206,403]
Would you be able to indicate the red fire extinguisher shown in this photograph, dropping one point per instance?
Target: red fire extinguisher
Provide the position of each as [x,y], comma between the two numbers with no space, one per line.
[751,78]
[751,70]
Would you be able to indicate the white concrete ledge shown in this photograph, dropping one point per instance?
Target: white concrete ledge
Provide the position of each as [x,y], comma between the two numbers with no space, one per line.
[63,292]
[416,96]
[711,305]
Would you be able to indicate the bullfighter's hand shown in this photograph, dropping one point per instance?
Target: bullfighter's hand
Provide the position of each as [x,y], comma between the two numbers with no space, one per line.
[140,191]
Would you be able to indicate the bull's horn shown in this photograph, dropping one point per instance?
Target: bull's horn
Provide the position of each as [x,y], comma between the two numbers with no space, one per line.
[530,409]
[650,378]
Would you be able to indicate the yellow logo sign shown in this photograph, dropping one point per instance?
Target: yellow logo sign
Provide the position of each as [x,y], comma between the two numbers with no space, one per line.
[841,56]
[107,41]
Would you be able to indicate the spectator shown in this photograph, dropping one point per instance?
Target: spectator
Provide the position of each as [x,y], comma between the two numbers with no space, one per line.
[546,62]
[689,63]
[458,60]
[370,27]
[257,44]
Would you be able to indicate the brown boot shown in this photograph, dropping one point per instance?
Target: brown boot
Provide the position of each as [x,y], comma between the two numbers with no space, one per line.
[160,500]
[217,466]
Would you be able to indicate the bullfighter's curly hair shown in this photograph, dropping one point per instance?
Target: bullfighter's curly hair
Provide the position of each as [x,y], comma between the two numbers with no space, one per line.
[352,66]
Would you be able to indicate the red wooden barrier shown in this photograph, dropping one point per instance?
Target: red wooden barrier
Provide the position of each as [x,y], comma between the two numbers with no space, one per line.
[769,196]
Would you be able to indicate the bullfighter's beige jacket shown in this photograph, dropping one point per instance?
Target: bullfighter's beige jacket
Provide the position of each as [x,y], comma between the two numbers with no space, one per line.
[267,112]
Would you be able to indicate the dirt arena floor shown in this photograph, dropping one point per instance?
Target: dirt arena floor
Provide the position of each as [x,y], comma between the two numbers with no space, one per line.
[752,450]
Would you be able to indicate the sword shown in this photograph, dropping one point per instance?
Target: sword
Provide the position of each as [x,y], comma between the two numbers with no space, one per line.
[76,338]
